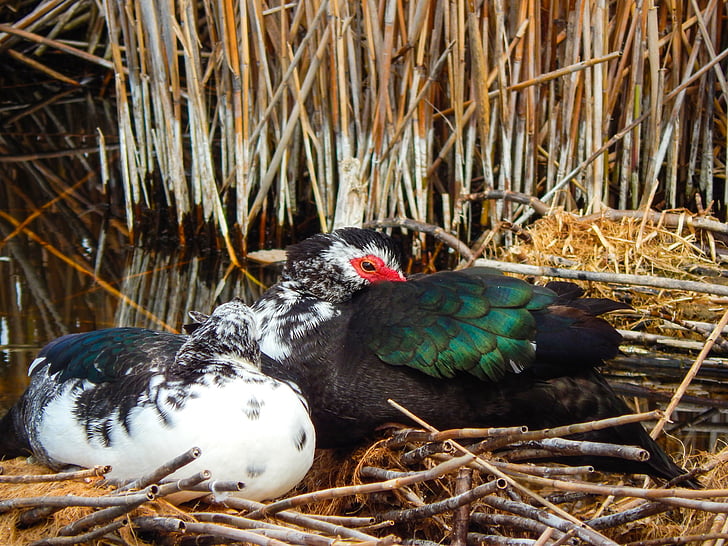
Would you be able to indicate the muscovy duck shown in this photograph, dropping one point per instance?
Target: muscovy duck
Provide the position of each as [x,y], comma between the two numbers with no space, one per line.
[457,348]
[135,398]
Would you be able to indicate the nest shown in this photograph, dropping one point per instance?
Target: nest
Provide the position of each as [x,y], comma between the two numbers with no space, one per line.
[412,487]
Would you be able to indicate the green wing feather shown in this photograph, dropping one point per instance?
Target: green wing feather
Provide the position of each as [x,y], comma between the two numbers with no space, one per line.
[472,321]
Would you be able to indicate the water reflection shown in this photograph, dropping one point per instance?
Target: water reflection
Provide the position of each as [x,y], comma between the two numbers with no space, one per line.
[46,297]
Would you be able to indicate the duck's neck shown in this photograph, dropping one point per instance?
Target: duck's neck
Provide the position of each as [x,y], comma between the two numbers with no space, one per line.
[200,351]
[286,314]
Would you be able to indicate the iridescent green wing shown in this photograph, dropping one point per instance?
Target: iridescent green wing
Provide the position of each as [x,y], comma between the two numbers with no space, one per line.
[103,355]
[473,321]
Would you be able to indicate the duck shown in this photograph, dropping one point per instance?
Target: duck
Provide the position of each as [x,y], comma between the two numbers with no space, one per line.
[136,398]
[467,348]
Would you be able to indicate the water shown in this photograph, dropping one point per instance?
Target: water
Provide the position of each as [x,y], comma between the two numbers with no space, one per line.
[45,297]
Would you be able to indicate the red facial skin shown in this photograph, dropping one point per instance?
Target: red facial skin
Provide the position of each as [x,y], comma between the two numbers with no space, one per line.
[373,269]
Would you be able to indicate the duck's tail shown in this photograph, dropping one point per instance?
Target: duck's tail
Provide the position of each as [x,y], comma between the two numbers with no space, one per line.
[12,442]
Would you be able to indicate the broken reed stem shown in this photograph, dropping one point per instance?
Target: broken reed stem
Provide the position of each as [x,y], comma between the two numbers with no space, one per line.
[334,528]
[566,430]
[598,276]
[564,446]
[401,437]
[74,500]
[265,528]
[163,471]
[94,472]
[690,375]
[84,537]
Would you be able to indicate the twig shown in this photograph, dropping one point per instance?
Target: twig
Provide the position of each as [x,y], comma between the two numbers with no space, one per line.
[307,521]
[517,197]
[58,477]
[546,471]
[507,520]
[567,430]
[264,528]
[584,533]
[163,471]
[83,538]
[401,437]
[101,516]
[597,276]
[73,500]
[690,375]
[572,447]
[421,512]
[646,509]
[435,231]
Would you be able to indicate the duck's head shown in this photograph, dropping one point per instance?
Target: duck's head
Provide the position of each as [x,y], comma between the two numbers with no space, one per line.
[334,266]
[230,331]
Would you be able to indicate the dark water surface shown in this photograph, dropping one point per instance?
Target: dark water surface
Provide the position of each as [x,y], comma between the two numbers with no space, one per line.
[43,297]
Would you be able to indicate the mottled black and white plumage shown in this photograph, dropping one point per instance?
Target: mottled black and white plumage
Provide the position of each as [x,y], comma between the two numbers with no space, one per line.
[459,349]
[135,398]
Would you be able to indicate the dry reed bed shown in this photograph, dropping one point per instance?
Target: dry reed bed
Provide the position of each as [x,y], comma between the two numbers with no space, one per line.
[414,487]
[268,114]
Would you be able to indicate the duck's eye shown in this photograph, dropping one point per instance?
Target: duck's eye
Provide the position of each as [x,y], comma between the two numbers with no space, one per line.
[368,266]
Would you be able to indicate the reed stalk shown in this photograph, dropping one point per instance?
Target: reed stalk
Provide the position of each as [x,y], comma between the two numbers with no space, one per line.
[254,117]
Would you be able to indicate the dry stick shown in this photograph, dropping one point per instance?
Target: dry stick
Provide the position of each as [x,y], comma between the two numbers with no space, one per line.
[546,471]
[163,471]
[263,528]
[353,521]
[84,538]
[59,477]
[187,484]
[41,67]
[517,197]
[435,231]
[401,437]
[449,504]
[567,430]
[101,516]
[508,520]
[683,539]
[598,276]
[673,495]
[658,339]
[647,509]
[73,500]
[383,474]
[238,535]
[692,372]
[598,449]
[215,486]
[422,452]
[296,518]
[490,468]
